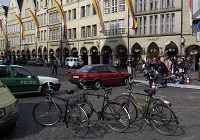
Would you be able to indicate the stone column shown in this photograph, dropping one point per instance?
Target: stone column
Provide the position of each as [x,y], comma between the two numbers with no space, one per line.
[101,58]
[89,59]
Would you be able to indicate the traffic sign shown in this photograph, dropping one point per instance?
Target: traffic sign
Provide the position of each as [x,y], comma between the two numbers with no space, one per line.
[198,26]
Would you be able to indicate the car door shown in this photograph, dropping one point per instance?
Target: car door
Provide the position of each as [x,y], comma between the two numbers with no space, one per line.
[116,77]
[104,75]
[22,81]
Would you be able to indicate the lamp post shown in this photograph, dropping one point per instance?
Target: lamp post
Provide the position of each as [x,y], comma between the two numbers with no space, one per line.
[182,38]
[61,36]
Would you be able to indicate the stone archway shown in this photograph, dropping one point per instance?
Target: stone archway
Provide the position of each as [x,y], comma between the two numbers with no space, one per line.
[107,53]
[153,50]
[136,51]
[84,55]
[171,49]
[193,52]
[45,53]
[40,52]
[58,54]
[28,54]
[13,55]
[121,53]
[34,53]
[95,58]
[51,54]
[74,52]
[18,53]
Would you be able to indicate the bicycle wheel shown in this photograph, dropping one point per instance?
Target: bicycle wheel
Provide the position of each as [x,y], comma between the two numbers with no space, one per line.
[116,117]
[129,104]
[78,122]
[47,113]
[163,119]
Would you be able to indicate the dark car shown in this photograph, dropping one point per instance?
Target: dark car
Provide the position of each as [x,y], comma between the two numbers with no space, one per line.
[50,63]
[98,75]
[35,62]
[20,61]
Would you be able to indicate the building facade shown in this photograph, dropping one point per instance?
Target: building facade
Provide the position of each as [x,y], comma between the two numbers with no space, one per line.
[164,29]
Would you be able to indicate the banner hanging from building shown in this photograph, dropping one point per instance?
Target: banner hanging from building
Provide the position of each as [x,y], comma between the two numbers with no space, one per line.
[1,28]
[64,25]
[190,3]
[22,28]
[132,21]
[98,11]
[35,22]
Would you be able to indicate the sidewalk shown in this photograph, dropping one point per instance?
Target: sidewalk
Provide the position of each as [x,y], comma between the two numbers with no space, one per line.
[194,84]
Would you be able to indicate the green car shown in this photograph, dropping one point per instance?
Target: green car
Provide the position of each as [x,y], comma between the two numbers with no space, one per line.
[9,110]
[20,80]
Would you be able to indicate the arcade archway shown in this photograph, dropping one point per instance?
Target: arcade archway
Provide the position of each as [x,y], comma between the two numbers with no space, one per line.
[121,53]
[107,53]
[84,55]
[153,50]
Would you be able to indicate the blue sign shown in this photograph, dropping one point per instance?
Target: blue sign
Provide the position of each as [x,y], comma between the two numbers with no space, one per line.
[198,26]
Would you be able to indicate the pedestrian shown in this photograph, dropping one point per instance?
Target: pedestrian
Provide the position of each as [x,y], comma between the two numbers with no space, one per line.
[55,66]
[110,62]
[133,67]
[188,68]
[128,64]
[199,70]
[59,63]
[117,64]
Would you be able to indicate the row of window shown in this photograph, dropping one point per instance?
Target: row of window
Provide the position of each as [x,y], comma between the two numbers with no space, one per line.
[2,43]
[115,27]
[29,39]
[166,24]
[54,18]
[88,31]
[54,34]
[14,40]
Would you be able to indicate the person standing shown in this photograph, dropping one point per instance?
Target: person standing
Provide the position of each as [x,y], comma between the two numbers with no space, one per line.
[128,64]
[188,67]
[110,62]
[55,66]
[133,67]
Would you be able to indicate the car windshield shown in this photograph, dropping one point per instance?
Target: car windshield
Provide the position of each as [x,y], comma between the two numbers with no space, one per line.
[85,69]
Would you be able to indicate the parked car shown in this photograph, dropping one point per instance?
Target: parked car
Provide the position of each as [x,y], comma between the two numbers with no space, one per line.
[20,80]
[98,75]
[35,62]
[50,64]
[9,110]
[20,61]
[73,62]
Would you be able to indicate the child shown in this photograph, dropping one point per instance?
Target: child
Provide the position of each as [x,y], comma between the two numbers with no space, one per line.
[158,79]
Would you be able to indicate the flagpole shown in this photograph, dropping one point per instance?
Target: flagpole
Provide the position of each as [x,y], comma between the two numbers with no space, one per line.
[128,32]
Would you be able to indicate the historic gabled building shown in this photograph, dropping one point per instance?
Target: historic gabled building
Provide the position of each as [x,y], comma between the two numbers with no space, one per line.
[72,28]
[3,29]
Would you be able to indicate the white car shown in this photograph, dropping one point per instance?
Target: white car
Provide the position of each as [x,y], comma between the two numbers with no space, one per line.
[73,62]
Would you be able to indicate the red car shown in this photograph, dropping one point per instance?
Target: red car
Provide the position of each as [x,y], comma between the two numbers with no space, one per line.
[97,75]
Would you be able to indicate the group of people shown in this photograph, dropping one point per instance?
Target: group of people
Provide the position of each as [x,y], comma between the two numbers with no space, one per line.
[174,70]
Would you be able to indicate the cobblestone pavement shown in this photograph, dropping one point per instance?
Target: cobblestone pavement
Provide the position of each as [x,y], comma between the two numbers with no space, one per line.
[184,102]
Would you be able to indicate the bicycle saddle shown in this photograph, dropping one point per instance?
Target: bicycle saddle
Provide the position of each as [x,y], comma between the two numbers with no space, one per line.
[150,92]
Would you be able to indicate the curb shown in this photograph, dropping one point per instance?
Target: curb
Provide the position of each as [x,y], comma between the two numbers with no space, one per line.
[174,85]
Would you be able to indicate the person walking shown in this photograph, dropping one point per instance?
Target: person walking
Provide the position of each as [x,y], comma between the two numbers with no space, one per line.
[128,64]
[133,67]
[117,64]
[55,66]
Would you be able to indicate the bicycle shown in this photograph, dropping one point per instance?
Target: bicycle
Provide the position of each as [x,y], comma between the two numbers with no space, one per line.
[49,113]
[115,115]
[156,111]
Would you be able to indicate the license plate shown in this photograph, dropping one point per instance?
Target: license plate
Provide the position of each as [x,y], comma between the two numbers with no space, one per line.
[75,76]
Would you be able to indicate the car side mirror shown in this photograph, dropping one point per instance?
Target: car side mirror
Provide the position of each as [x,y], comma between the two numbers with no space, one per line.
[32,76]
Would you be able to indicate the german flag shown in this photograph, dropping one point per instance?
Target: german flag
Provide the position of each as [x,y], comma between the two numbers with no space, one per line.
[132,21]
[1,28]
[98,11]
[22,28]
[35,22]
[64,25]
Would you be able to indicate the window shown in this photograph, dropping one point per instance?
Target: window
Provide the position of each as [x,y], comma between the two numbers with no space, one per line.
[94,30]
[156,24]
[82,32]
[136,6]
[33,38]
[140,26]
[50,19]
[45,33]
[54,34]
[74,33]
[58,34]
[121,27]
[50,35]
[69,14]
[140,6]
[20,72]
[106,7]
[88,31]
[173,3]
[121,5]
[114,28]
[74,13]
[114,6]
[162,4]
[173,22]
[83,11]
[107,28]
[145,5]
[167,3]
[87,10]
[167,23]
[151,24]
[42,35]
[45,18]
[162,23]
[145,25]
[156,4]
[4,72]
[69,33]
[151,4]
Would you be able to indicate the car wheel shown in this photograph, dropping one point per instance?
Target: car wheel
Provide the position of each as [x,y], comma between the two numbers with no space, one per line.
[44,89]
[97,84]
[125,81]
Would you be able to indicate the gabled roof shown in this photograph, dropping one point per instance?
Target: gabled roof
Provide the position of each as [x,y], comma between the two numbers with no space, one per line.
[6,10]
[20,2]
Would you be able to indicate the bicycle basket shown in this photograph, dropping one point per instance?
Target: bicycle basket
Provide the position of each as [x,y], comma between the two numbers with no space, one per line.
[76,99]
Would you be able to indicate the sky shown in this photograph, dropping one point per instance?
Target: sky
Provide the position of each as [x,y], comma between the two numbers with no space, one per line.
[5,2]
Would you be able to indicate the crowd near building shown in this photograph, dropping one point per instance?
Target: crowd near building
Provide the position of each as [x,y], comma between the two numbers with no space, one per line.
[63,28]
